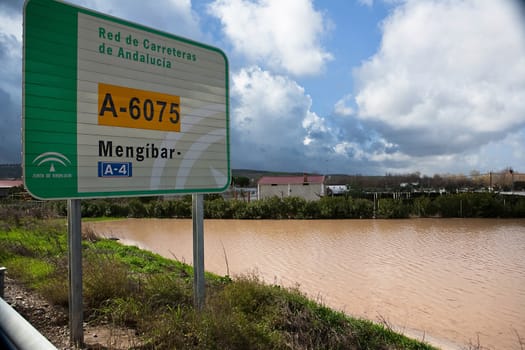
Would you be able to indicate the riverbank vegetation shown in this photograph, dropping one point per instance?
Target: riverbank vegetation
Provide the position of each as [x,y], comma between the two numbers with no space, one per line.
[128,287]
[356,206]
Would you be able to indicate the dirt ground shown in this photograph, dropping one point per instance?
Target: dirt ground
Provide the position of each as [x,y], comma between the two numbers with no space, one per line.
[52,322]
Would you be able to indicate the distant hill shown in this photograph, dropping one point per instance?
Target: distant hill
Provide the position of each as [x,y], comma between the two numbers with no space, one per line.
[14,171]
[10,171]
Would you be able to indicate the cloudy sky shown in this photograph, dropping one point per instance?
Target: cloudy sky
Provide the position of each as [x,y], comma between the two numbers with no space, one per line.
[340,86]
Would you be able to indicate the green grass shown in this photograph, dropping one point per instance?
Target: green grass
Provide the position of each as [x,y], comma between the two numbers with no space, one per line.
[31,270]
[126,286]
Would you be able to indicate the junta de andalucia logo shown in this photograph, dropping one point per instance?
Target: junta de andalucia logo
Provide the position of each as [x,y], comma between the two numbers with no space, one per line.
[57,162]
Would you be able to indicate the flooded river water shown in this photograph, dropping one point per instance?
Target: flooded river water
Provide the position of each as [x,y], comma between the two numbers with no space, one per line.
[449,281]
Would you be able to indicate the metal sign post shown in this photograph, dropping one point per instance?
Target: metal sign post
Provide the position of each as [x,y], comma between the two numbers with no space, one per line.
[198,250]
[74,231]
[116,109]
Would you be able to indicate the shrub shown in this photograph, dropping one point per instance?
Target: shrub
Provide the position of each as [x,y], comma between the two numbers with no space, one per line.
[363,208]
[137,208]
[217,209]
[117,210]
[392,209]
[105,277]
[181,208]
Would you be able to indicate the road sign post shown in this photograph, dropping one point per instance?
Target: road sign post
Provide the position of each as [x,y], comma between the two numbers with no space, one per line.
[114,109]
[74,234]
[199,293]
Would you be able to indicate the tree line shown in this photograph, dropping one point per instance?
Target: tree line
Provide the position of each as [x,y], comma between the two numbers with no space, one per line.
[467,205]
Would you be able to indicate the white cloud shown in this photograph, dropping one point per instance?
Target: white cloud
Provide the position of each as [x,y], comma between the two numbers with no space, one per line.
[269,107]
[350,149]
[448,77]
[286,35]
[10,82]
[10,36]
[368,3]
[376,151]
[11,24]
[342,108]
[508,152]
[263,100]
[172,16]
[11,67]
[272,116]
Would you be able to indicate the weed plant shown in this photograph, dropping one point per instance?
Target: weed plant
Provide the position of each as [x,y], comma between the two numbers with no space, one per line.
[128,287]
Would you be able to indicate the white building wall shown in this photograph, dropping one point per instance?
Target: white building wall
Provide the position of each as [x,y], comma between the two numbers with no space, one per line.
[308,191]
[267,191]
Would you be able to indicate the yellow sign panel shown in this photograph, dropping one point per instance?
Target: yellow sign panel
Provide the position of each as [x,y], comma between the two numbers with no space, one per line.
[139,109]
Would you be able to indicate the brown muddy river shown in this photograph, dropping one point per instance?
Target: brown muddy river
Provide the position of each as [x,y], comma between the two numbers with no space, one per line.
[447,281]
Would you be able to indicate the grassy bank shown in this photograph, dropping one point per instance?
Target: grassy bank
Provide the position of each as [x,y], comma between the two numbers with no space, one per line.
[128,287]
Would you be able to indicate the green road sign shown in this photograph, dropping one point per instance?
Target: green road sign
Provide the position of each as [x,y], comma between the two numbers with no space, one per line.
[113,108]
